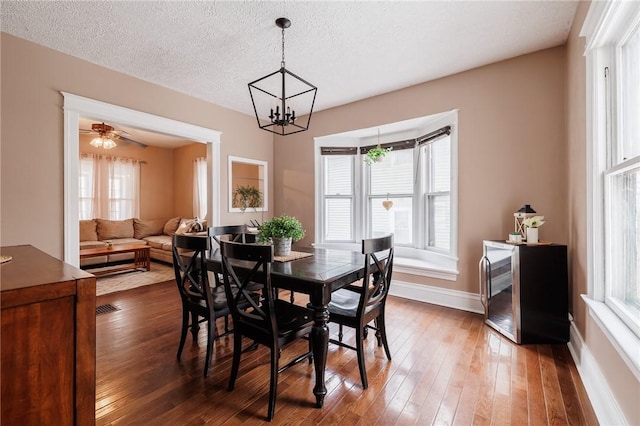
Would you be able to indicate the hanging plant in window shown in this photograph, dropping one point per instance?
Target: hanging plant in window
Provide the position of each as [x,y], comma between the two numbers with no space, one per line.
[376,154]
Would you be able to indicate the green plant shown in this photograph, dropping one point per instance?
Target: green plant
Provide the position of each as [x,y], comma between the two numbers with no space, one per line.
[281,227]
[247,196]
[376,154]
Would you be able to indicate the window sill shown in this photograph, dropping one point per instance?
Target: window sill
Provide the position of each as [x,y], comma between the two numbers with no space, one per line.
[412,261]
[625,342]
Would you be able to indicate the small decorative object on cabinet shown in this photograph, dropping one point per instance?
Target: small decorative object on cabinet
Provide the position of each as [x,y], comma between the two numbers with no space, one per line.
[48,340]
[532,224]
[524,291]
[518,217]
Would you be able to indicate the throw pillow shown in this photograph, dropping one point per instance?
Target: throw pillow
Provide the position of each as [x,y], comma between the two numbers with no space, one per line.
[171,226]
[147,227]
[114,229]
[185,226]
[88,230]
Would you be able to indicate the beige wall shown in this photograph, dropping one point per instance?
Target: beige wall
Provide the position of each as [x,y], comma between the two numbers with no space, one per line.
[623,384]
[511,150]
[183,177]
[31,152]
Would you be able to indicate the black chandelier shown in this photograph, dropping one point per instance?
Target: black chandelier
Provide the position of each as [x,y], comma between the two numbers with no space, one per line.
[282,101]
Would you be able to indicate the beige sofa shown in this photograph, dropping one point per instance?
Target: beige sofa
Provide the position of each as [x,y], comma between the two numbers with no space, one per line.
[156,233]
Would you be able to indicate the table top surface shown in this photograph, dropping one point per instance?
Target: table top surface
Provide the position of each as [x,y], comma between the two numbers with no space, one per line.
[116,248]
[324,267]
[31,267]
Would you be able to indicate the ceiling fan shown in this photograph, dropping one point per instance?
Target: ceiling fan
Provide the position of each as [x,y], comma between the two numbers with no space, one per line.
[108,136]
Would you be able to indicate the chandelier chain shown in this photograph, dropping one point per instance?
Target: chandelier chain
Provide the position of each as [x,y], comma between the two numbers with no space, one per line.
[282,63]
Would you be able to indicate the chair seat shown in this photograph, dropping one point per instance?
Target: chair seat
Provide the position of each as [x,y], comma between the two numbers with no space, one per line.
[344,302]
[291,318]
[219,301]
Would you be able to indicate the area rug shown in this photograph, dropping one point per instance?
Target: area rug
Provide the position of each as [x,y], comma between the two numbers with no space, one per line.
[131,279]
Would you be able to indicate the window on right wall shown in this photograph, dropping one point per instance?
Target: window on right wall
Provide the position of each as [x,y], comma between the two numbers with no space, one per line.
[612,31]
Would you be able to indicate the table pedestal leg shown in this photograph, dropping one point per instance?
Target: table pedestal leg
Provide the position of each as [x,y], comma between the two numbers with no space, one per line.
[320,341]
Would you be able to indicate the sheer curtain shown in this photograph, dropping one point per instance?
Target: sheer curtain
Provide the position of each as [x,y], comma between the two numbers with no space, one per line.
[109,187]
[200,188]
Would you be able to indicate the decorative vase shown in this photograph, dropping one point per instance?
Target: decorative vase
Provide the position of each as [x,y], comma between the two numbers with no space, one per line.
[532,235]
[281,246]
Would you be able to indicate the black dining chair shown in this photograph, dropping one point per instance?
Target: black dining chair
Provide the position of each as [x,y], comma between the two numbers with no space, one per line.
[200,301]
[357,306]
[271,322]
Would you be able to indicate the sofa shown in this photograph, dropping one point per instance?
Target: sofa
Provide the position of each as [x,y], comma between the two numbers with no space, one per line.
[156,233]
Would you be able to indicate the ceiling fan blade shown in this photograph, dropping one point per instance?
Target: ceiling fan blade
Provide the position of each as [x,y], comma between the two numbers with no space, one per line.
[120,133]
[86,131]
[131,141]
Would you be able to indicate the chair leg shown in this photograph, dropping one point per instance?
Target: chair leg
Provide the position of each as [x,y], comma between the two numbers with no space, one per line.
[237,351]
[183,332]
[211,335]
[292,297]
[378,333]
[383,334]
[226,323]
[360,350]
[273,387]
[340,332]
[194,327]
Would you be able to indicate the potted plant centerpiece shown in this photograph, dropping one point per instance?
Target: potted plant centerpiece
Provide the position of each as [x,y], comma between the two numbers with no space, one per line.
[281,231]
[245,196]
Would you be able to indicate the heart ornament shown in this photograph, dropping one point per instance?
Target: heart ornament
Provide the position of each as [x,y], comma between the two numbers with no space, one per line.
[387,204]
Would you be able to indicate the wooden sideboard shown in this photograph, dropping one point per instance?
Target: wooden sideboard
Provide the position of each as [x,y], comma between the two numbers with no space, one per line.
[48,343]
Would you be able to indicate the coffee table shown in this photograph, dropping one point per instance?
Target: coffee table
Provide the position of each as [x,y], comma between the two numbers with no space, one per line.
[141,257]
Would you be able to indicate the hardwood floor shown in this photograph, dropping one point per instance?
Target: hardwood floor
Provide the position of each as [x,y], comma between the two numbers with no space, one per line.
[447,368]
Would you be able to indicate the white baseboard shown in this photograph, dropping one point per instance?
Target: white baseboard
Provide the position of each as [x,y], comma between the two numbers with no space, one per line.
[602,399]
[438,296]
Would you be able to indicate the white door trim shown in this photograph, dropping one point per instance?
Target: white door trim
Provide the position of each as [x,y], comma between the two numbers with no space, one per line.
[77,106]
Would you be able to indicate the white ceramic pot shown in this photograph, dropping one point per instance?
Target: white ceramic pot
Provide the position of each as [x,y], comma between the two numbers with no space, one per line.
[281,246]
[532,235]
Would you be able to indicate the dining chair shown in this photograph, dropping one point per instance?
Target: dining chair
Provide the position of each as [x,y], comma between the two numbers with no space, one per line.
[200,301]
[271,322]
[357,306]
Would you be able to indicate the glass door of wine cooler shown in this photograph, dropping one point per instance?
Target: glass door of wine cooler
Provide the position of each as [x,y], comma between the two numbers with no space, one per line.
[498,288]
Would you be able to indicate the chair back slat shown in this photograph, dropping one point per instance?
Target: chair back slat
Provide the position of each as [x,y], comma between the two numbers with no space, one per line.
[378,270]
[236,233]
[189,265]
[239,284]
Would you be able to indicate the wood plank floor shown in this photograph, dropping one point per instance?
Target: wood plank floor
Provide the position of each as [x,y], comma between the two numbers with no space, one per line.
[447,368]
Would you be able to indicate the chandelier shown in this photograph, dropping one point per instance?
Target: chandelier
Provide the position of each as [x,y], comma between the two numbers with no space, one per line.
[281,98]
[103,140]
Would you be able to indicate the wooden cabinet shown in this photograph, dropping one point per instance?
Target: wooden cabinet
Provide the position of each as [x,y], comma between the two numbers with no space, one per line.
[48,342]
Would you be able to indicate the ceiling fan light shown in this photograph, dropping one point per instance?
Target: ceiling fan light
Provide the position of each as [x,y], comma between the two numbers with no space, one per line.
[108,144]
[97,142]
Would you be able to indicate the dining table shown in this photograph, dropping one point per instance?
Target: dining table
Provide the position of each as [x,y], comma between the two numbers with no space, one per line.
[318,276]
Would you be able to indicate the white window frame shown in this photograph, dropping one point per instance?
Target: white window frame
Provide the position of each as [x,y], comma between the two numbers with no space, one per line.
[607,24]
[429,262]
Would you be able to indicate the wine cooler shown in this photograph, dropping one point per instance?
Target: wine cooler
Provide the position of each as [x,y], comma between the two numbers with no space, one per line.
[524,291]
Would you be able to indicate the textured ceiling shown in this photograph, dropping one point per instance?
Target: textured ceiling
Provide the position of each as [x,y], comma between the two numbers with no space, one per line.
[350,50]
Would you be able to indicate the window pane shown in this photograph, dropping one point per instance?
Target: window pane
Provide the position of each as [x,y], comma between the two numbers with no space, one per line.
[439,229]
[338,214]
[397,220]
[393,175]
[439,165]
[624,234]
[338,174]
[631,97]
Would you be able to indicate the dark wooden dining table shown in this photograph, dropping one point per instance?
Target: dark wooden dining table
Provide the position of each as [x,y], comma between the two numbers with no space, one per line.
[317,276]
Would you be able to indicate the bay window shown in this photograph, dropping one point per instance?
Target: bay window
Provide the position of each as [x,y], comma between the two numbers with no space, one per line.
[409,193]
